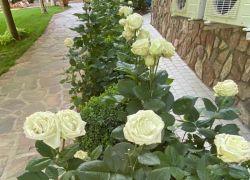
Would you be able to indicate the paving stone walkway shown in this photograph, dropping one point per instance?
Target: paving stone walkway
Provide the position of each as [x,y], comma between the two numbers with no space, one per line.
[33,85]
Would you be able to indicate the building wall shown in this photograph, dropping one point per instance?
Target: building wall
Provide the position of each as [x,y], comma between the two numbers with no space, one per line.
[215,55]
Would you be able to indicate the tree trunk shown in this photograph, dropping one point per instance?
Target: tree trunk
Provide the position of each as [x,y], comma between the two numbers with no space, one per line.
[43,7]
[9,19]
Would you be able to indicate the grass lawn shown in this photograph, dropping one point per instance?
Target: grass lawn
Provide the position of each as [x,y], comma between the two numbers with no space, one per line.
[34,23]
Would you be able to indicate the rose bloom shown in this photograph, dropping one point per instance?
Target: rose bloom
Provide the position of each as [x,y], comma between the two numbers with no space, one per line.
[160,47]
[143,34]
[149,60]
[232,148]
[43,126]
[81,155]
[134,21]
[128,34]
[130,3]
[226,88]
[140,47]
[125,11]
[68,42]
[144,127]
[122,22]
[71,124]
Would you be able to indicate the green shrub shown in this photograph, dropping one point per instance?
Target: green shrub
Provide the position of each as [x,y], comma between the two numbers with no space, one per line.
[101,119]
[6,38]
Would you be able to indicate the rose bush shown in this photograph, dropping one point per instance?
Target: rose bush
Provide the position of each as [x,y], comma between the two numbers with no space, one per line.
[163,137]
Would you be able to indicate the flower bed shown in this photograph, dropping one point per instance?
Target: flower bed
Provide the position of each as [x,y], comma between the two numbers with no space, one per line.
[114,49]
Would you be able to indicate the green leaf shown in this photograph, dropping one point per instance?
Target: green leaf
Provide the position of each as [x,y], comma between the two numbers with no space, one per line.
[168,119]
[229,129]
[208,133]
[204,123]
[154,104]
[52,172]
[218,170]
[45,150]
[193,115]
[141,93]
[188,127]
[125,87]
[69,151]
[225,101]
[209,105]
[69,175]
[134,106]
[116,157]
[178,173]
[33,176]
[149,159]
[118,134]
[238,172]
[172,157]
[37,165]
[96,153]
[227,114]
[161,77]
[125,67]
[93,166]
[159,174]
[184,105]
[202,170]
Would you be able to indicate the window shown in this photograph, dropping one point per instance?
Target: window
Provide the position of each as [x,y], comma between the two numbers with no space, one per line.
[224,6]
[181,4]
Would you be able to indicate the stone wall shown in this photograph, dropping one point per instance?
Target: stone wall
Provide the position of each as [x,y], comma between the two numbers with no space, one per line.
[215,55]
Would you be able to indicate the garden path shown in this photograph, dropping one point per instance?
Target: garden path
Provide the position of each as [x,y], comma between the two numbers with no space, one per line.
[33,85]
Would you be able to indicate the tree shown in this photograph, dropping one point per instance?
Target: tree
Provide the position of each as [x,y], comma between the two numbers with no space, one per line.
[9,19]
[43,7]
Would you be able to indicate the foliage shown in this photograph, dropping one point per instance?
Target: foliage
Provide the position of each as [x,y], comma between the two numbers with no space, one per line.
[101,118]
[6,38]
[93,57]
[35,26]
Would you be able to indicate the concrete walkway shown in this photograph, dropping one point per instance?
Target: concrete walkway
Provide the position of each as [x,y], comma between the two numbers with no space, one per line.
[33,85]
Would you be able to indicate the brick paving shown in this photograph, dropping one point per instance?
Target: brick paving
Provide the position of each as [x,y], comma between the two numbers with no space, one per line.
[33,85]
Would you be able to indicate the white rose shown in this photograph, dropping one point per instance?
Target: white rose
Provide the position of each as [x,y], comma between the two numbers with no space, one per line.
[143,34]
[125,11]
[68,42]
[140,47]
[168,49]
[134,21]
[149,60]
[160,47]
[81,155]
[232,148]
[130,3]
[144,127]
[128,34]
[71,124]
[226,88]
[122,22]
[43,126]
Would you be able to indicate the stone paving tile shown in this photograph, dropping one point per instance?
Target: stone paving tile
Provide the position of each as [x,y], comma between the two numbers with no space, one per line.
[185,80]
[33,85]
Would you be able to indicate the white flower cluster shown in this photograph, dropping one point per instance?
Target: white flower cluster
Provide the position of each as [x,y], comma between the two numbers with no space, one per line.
[131,24]
[51,128]
[153,49]
[125,11]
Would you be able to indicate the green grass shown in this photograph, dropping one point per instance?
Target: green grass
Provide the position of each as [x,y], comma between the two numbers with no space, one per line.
[34,23]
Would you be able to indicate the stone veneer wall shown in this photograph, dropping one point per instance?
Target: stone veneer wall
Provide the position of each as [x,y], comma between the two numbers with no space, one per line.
[215,55]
